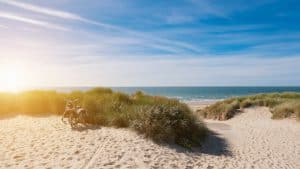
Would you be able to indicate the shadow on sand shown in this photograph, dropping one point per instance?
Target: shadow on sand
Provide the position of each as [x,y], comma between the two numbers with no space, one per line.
[213,145]
[82,127]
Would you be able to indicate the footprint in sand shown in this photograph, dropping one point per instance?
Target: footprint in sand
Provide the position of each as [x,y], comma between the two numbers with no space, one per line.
[117,166]
[46,156]
[109,163]
[147,156]
[18,157]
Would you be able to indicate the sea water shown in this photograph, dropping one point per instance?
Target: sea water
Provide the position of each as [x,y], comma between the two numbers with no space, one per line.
[193,93]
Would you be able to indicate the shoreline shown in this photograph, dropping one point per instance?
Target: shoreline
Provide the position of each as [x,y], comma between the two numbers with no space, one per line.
[200,104]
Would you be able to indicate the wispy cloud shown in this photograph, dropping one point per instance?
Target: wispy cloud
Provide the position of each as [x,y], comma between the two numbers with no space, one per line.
[71,16]
[31,21]
[54,13]
[205,44]
[41,10]
[214,29]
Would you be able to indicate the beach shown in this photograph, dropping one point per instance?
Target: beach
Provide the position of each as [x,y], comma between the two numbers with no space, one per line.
[249,140]
[197,105]
[185,84]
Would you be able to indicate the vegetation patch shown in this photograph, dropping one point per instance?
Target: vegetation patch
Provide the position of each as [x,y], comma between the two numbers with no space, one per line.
[158,118]
[282,105]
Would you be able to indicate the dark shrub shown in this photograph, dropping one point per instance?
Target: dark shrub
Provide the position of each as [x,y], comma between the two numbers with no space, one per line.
[246,103]
[99,91]
[165,123]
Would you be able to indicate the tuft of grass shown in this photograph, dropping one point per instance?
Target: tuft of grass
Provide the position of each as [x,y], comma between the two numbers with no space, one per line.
[170,123]
[158,118]
[286,109]
[99,91]
[282,105]
[221,110]
[247,103]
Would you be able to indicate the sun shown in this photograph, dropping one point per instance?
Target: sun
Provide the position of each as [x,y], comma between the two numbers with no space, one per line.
[11,79]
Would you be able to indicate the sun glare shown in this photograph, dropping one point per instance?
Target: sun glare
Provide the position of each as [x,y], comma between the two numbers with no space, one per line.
[12,79]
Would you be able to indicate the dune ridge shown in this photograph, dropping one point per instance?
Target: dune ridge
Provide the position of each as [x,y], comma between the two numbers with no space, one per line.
[249,140]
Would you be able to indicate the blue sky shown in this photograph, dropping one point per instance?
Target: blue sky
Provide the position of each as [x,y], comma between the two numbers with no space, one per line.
[152,43]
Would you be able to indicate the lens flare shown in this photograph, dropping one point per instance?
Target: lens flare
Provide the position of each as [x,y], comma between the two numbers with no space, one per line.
[11,79]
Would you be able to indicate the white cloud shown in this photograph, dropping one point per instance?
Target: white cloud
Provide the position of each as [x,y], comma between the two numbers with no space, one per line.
[184,72]
[55,13]
[115,55]
[71,16]
[31,21]
[104,61]
[42,10]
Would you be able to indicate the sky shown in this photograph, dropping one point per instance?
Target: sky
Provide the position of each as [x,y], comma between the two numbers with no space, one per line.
[150,43]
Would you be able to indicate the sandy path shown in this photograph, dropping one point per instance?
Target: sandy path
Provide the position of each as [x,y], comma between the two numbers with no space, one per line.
[196,105]
[257,141]
[250,140]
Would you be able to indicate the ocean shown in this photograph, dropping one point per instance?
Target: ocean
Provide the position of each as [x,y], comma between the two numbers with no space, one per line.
[193,93]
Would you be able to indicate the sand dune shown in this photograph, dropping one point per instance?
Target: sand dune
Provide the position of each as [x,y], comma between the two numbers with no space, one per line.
[250,140]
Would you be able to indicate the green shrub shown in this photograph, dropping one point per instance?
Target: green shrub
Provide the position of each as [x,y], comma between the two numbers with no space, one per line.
[282,105]
[121,97]
[159,118]
[246,103]
[167,123]
[138,94]
[222,110]
[286,109]
[120,121]
[282,111]
[99,91]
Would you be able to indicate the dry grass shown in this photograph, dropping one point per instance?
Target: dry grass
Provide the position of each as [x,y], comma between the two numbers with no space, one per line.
[156,117]
[282,105]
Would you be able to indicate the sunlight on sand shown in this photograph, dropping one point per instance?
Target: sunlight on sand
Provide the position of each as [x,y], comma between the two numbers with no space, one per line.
[249,140]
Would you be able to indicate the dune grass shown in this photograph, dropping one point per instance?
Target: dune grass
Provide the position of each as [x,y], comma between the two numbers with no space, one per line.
[282,105]
[158,118]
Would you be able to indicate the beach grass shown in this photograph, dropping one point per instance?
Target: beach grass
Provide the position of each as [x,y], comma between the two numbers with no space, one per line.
[158,118]
[282,105]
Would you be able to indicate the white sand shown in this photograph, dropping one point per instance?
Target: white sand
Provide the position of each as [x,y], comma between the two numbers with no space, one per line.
[196,105]
[250,140]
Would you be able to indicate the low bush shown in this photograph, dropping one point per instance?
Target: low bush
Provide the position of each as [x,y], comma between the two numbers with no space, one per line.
[286,109]
[169,123]
[282,105]
[159,118]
